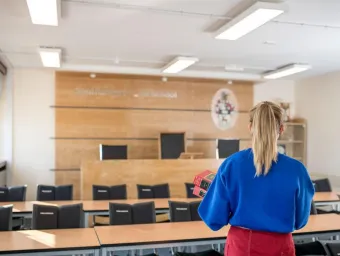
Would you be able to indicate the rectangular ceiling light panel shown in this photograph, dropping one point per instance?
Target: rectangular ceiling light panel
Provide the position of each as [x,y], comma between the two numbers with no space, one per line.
[286,71]
[44,12]
[249,20]
[50,57]
[179,64]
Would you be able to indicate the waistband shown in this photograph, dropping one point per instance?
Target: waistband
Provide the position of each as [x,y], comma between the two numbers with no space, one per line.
[247,230]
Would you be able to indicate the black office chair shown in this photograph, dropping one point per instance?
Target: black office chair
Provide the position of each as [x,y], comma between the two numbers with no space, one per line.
[100,192]
[179,211]
[120,214]
[70,216]
[313,210]
[144,192]
[161,191]
[143,213]
[4,194]
[194,211]
[6,217]
[63,192]
[45,193]
[312,248]
[189,188]
[322,185]
[17,193]
[118,192]
[44,217]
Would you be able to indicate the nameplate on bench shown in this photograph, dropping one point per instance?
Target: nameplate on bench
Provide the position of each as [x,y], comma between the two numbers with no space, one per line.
[146,189]
[46,213]
[102,191]
[122,211]
[46,191]
[181,209]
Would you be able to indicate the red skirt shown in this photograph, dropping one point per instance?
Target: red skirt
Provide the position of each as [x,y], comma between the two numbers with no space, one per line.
[245,242]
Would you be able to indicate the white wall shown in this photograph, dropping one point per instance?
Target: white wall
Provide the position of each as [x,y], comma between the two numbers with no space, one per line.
[277,91]
[317,100]
[33,125]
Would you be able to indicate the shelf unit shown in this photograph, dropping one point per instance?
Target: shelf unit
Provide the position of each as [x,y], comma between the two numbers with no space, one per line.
[293,140]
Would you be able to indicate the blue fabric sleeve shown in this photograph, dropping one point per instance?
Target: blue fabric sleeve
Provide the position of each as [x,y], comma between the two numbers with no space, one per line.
[214,208]
[304,198]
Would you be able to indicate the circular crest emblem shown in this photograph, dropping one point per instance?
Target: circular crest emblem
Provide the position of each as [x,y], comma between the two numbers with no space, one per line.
[224,109]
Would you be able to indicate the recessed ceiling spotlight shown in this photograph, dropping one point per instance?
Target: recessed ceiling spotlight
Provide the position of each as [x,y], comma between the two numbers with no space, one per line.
[93,75]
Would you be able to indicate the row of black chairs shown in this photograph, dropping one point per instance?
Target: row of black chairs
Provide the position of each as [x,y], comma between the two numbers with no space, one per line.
[72,216]
[100,192]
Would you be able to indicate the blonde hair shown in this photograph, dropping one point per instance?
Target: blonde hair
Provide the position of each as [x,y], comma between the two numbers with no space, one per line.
[266,119]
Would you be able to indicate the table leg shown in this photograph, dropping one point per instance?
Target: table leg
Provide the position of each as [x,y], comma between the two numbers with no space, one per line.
[86,220]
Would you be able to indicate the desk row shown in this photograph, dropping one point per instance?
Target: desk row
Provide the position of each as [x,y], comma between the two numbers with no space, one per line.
[101,240]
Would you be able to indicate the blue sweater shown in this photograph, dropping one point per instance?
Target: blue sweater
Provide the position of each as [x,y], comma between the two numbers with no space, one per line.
[278,202]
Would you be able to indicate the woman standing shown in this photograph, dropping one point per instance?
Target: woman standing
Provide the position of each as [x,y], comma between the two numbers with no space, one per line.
[262,194]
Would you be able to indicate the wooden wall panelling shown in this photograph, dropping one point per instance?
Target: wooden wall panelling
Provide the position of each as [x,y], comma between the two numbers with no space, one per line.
[191,93]
[132,110]
[95,123]
[132,172]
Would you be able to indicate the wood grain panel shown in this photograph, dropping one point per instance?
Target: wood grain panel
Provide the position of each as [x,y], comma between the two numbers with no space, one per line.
[95,123]
[69,177]
[71,152]
[132,172]
[127,91]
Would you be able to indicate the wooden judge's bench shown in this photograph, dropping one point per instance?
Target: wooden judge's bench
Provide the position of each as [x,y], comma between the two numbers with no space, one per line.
[175,172]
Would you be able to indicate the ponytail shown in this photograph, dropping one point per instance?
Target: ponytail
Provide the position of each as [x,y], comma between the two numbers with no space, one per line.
[266,119]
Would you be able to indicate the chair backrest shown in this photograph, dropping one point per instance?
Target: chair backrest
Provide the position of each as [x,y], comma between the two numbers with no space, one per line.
[4,194]
[118,192]
[143,213]
[144,191]
[120,214]
[63,192]
[6,217]
[161,191]
[311,248]
[194,211]
[313,210]
[17,193]
[189,188]
[70,216]
[45,193]
[44,217]
[179,211]
[322,185]
[100,192]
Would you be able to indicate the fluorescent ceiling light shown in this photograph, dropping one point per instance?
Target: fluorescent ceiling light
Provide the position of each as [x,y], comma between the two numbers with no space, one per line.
[50,57]
[249,20]
[44,12]
[286,71]
[179,64]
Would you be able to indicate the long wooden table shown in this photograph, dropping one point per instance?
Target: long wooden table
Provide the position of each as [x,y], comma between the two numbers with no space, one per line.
[93,208]
[164,235]
[50,242]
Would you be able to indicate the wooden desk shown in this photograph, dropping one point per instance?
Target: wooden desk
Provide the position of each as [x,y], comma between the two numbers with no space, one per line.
[50,242]
[162,235]
[327,199]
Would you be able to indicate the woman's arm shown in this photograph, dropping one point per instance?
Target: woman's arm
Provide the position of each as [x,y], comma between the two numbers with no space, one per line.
[304,197]
[214,208]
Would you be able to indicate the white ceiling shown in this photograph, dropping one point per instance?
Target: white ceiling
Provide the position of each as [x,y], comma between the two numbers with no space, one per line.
[96,33]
